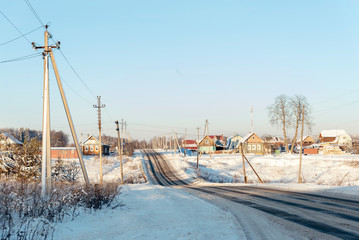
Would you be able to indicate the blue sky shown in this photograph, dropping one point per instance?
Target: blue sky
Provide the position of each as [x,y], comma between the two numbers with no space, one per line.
[164,65]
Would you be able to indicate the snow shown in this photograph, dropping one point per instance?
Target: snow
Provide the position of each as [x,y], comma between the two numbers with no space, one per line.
[112,171]
[154,212]
[332,133]
[330,173]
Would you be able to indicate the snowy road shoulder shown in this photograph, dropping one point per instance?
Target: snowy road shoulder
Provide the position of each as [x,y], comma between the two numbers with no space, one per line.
[154,212]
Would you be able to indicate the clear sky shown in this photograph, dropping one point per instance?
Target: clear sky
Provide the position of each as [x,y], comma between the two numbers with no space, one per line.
[164,65]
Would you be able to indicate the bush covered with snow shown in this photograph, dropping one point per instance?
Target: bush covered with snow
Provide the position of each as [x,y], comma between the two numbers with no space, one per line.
[24,214]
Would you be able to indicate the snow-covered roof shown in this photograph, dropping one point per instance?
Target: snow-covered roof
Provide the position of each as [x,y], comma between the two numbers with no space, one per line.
[92,140]
[10,139]
[245,138]
[332,133]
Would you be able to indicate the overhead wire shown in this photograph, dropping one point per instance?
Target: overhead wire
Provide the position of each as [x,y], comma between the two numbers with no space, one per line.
[1,44]
[22,58]
[17,29]
[34,12]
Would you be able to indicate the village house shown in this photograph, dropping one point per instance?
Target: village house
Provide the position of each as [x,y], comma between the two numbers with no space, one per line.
[207,145]
[307,141]
[91,146]
[252,143]
[7,140]
[339,137]
[189,144]
[233,142]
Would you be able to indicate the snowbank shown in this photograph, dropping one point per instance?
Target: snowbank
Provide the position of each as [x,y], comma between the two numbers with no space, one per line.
[154,212]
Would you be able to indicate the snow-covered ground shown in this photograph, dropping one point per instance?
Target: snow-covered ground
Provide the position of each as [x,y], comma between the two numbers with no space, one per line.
[148,211]
[132,169]
[333,173]
[153,212]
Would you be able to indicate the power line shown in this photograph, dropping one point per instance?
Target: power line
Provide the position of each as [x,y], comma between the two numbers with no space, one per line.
[22,58]
[17,29]
[1,44]
[34,12]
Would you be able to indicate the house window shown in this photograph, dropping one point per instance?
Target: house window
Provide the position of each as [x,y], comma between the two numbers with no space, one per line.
[253,147]
[91,148]
[207,141]
[249,147]
[86,148]
[258,147]
[96,148]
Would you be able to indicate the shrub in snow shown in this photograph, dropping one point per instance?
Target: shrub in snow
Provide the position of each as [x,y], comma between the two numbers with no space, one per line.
[23,162]
[24,214]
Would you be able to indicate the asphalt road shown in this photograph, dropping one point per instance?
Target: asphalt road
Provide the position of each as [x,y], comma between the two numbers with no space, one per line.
[269,213]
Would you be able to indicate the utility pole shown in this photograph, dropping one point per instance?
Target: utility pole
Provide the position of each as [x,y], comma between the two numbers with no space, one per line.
[119,149]
[99,106]
[198,147]
[46,149]
[184,143]
[46,154]
[125,132]
[170,142]
[251,119]
[301,149]
[122,136]
[244,166]
[207,127]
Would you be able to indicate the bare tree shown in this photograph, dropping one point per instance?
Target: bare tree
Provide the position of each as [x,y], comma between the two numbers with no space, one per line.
[279,114]
[59,138]
[296,107]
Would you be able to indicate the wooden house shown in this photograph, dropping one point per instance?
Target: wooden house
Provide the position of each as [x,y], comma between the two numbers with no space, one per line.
[339,137]
[207,145]
[252,143]
[7,140]
[64,153]
[91,147]
[307,141]
[233,142]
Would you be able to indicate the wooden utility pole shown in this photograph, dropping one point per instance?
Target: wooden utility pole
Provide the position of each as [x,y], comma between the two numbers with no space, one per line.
[207,127]
[198,147]
[125,132]
[244,166]
[46,154]
[99,106]
[119,149]
[245,177]
[170,142]
[122,145]
[184,143]
[301,149]
[251,119]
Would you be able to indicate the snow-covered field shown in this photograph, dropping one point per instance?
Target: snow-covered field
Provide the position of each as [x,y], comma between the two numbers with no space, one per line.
[132,169]
[335,173]
[153,212]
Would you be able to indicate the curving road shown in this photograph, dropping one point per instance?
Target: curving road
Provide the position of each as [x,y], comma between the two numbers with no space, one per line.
[269,213]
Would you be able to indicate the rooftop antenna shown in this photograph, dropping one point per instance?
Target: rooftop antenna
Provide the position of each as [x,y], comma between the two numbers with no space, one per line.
[251,118]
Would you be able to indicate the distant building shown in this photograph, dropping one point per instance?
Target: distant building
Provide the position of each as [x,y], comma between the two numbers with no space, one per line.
[339,137]
[307,141]
[252,143]
[64,153]
[207,145]
[189,144]
[233,142]
[7,140]
[91,147]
